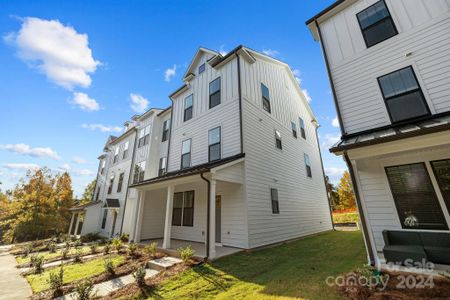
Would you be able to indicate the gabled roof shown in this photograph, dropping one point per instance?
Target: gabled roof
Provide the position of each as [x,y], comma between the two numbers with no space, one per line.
[110,139]
[197,56]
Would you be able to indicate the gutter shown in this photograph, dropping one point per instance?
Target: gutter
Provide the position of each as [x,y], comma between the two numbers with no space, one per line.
[208,209]
[360,210]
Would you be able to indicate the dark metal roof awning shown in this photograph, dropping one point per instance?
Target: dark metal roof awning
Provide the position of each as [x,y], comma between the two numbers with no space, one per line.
[112,203]
[392,134]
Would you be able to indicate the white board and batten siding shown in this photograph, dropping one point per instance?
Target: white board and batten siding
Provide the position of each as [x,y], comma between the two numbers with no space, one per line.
[225,115]
[423,33]
[303,202]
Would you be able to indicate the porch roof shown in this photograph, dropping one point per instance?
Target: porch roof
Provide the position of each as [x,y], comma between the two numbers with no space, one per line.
[111,203]
[82,207]
[190,171]
[384,135]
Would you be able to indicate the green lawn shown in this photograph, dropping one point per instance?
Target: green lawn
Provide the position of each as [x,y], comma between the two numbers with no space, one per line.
[294,270]
[72,272]
[47,255]
[347,217]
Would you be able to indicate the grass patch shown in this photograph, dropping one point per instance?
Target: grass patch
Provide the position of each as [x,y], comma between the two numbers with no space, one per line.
[294,270]
[47,255]
[347,217]
[72,272]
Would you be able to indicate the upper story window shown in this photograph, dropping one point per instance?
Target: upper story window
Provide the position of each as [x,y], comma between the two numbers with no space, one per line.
[214,137]
[274,198]
[294,129]
[165,133]
[105,215]
[214,92]
[441,169]
[403,96]
[265,97]
[376,23]
[139,172]
[98,194]
[116,154]
[188,108]
[120,183]
[307,165]
[125,150]
[186,154]
[102,169]
[302,128]
[183,209]
[278,143]
[162,166]
[201,69]
[144,136]
[111,183]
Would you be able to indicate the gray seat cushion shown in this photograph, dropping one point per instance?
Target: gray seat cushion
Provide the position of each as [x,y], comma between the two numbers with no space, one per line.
[401,253]
[439,255]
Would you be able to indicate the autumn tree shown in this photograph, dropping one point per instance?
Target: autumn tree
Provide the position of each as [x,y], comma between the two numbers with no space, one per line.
[332,193]
[63,200]
[88,193]
[345,192]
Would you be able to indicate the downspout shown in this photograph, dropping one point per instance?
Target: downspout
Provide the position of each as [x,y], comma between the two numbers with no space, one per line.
[170,136]
[360,209]
[333,90]
[240,101]
[208,208]
[129,181]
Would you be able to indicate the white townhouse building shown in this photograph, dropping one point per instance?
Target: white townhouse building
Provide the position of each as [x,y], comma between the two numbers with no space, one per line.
[234,163]
[388,63]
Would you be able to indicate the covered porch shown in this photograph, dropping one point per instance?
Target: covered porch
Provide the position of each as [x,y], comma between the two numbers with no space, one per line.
[80,214]
[202,206]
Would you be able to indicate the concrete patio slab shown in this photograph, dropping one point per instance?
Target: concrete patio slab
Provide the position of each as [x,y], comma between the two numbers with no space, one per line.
[163,262]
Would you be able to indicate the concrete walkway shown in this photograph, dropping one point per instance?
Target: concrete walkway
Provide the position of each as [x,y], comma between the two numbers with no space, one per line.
[12,285]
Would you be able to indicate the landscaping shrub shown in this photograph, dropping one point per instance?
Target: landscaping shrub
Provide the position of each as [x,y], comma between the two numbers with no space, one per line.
[55,280]
[52,247]
[106,248]
[117,244]
[77,244]
[151,248]
[37,262]
[132,249]
[109,267]
[186,253]
[124,237]
[93,248]
[65,252]
[77,256]
[90,237]
[84,290]
[139,276]
[28,249]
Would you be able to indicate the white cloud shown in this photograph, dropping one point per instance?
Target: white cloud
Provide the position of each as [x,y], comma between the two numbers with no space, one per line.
[222,51]
[335,172]
[65,168]
[78,160]
[56,50]
[139,104]
[270,52]
[102,127]
[335,122]
[297,75]
[307,96]
[330,139]
[20,166]
[35,152]
[85,102]
[169,73]
[83,172]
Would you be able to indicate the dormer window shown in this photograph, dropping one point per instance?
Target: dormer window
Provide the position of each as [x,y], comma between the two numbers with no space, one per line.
[201,69]
[188,108]
[376,24]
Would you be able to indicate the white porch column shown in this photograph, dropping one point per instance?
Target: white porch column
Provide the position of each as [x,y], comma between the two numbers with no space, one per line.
[212,219]
[139,216]
[71,222]
[168,220]
[77,223]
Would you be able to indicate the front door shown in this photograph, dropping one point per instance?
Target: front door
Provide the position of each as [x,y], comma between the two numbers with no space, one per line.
[114,223]
[218,219]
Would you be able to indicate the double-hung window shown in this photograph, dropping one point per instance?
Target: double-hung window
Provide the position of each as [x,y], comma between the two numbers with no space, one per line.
[376,23]
[214,145]
[139,172]
[214,93]
[165,133]
[188,108]
[186,154]
[403,96]
[278,143]
[144,136]
[294,129]
[274,198]
[183,209]
[120,183]
[125,150]
[116,154]
[415,198]
[111,183]
[265,98]
[105,215]
[441,169]
[162,166]
[302,128]
[102,169]
[307,165]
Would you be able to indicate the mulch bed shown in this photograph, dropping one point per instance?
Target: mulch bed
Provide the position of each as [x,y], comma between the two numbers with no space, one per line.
[397,288]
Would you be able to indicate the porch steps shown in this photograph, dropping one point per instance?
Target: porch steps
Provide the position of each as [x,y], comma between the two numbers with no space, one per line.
[163,262]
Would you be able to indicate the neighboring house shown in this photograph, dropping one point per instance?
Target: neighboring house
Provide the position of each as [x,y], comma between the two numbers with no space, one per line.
[389,67]
[234,162]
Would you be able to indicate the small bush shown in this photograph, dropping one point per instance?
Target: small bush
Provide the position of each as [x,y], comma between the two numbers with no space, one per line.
[151,248]
[77,244]
[52,247]
[117,244]
[90,237]
[65,252]
[37,262]
[77,256]
[139,276]
[109,267]
[132,249]
[28,249]
[84,290]
[94,248]
[56,280]
[124,237]
[186,253]
[106,249]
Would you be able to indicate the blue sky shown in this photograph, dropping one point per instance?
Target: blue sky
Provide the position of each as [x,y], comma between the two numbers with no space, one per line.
[73,71]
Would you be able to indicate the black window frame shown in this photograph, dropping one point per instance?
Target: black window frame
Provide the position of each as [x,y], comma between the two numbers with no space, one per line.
[274,201]
[201,68]
[294,129]
[165,132]
[215,92]
[120,183]
[139,171]
[125,150]
[278,140]
[116,155]
[181,211]
[161,170]
[210,146]
[188,111]
[111,184]
[105,216]
[308,168]
[302,127]
[436,200]
[143,140]
[445,194]
[266,101]
[376,23]
[418,89]
[187,154]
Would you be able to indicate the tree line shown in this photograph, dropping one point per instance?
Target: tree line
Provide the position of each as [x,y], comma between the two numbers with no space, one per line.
[342,196]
